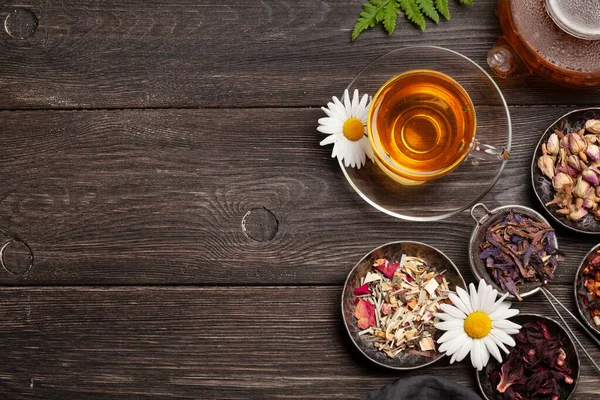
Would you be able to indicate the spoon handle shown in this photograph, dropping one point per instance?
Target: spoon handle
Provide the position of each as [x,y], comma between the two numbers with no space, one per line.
[552,300]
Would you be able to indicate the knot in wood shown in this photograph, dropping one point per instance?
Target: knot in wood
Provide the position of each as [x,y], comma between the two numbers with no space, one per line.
[260,224]
[21,23]
[16,257]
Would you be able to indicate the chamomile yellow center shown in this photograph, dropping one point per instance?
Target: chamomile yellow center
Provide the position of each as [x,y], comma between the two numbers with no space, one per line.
[353,129]
[478,325]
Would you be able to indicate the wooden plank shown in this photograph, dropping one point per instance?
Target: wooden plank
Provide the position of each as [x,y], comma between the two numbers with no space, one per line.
[200,343]
[160,197]
[185,53]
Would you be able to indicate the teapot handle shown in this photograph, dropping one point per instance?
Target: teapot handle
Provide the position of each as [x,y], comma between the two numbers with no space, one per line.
[505,62]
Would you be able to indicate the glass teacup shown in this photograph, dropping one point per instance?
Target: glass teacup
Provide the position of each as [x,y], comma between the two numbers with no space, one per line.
[471,168]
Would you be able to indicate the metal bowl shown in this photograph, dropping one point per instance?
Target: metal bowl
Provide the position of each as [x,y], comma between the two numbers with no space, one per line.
[542,186]
[566,391]
[434,258]
[583,311]
[477,237]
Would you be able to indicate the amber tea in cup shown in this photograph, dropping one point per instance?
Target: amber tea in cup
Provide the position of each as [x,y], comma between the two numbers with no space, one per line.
[421,125]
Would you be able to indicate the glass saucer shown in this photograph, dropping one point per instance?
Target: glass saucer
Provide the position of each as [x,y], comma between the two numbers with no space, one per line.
[473,178]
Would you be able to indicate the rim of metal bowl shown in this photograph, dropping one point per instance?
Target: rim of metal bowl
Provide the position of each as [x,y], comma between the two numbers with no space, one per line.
[483,193]
[575,290]
[534,166]
[346,323]
[566,334]
[480,221]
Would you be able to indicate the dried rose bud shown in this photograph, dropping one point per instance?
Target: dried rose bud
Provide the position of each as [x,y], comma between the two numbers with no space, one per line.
[546,165]
[552,144]
[564,142]
[589,204]
[590,176]
[581,188]
[593,152]
[583,157]
[577,215]
[591,139]
[593,126]
[576,143]
[572,172]
[575,162]
[561,180]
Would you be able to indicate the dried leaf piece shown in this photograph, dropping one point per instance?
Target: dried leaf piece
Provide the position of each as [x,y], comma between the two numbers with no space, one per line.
[365,313]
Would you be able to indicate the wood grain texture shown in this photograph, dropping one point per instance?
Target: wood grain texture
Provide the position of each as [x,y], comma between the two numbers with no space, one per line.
[187,53]
[196,343]
[158,197]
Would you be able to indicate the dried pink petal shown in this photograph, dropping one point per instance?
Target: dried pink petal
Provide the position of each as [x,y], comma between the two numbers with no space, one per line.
[388,269]
[365,313]
[363,290]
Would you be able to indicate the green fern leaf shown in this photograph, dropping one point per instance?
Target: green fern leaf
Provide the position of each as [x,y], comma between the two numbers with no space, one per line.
[391,11]
[428,9]
[413,13]
[467,2]
[442,7]
[373,14]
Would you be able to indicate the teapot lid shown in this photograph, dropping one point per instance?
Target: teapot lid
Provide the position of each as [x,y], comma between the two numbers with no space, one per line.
[580,18]
[549,39]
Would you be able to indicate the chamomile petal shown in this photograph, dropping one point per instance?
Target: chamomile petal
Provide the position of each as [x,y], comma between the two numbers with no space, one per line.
[484,353]
[459,303]
[476,355]
[363,108]
[450,325]
[328,140]
[505,324]
[464,296]
[465,349]
[347,104]
[453,311]
[449,335]
[474,297]
[503,336]
[492,348]
[355,102]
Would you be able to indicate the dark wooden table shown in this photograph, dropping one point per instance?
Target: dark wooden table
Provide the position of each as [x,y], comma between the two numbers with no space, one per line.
[189,236]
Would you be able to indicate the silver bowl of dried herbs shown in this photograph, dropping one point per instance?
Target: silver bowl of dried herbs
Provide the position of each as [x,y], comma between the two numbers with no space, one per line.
[587,289]
[565,170]
[514,249]
[543,364]
[390,299]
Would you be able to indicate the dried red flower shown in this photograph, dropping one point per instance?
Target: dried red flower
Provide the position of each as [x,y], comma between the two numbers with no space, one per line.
[363,290]
[535,368]
[387,268]
[365,313]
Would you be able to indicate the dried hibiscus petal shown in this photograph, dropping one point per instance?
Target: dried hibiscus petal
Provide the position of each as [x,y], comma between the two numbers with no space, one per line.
[387,268]
[535,367]
[365,313]
[362,291]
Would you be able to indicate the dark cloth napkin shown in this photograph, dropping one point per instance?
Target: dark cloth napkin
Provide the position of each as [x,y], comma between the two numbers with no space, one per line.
[422,387]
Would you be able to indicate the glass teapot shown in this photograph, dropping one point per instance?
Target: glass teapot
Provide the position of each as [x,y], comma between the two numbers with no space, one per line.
[557,39]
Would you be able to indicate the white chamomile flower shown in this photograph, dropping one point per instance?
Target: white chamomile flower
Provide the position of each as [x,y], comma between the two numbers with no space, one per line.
[478,324]
[345,125]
